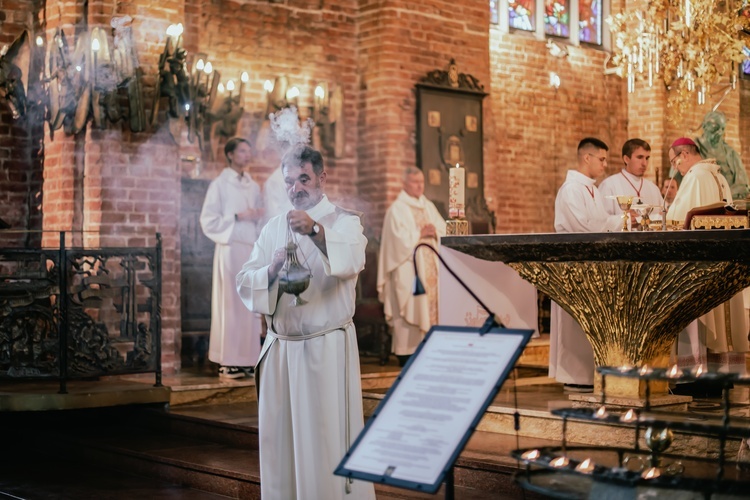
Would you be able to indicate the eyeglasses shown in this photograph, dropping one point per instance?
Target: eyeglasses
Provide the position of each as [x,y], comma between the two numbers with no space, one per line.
[672,160]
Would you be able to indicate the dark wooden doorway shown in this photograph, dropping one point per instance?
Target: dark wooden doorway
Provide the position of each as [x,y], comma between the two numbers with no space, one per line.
[196,260]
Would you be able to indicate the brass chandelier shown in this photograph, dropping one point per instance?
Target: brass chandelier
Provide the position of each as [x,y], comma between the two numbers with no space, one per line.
[691,45]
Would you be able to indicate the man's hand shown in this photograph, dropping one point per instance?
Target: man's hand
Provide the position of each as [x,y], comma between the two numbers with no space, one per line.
[276,264]
[428,231]
[300,222]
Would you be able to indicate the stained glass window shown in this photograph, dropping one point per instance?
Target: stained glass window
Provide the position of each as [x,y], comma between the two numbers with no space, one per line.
[521,14]
[494,15]
[590,21]
[557,18]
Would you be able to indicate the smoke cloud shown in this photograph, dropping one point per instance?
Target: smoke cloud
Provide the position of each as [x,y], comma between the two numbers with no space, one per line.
[287,128]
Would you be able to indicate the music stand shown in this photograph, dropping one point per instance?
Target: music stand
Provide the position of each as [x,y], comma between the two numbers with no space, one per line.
[417,432]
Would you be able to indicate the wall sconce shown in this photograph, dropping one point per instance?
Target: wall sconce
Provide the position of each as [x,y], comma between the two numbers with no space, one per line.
[226,112]
[15,64]
[276,94]
[79,84]
[327,112]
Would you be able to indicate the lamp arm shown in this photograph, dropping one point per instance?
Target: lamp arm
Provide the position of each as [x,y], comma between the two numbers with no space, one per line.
[491,320]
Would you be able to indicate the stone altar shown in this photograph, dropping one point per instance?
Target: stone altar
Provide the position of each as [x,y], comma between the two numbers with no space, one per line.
[632,292]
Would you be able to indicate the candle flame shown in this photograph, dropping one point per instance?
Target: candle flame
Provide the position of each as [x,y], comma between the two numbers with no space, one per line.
[651,473]
[39,41]
[95,44]
[268,86]
[645,370]
[601,412]
[209,68]
[457,165]
[674,372]
[629,416]
[221,87]
[531,455]
[244,77]
[625,368]
[292,93]
[230,85]
[199,65]
[559,462]
[699,370]
[320,93]
[78,68]
[586,466]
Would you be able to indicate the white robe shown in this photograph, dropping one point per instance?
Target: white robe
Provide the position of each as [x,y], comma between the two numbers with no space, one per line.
[408,316]
[235,331]
[571,359]
[703,185]
[310,397]
[274,194]
[625,183]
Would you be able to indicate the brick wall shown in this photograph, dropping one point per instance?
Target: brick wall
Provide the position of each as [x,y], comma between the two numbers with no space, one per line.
[399,43]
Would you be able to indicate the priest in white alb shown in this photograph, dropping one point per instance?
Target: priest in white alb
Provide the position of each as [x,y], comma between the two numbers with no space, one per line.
[631,181]
[308,379]
[723,330]
[231,217]
[579,208]
[410,220]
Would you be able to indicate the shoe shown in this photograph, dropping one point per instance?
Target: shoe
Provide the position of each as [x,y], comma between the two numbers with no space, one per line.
[231,372]
[578,388]
[249,370]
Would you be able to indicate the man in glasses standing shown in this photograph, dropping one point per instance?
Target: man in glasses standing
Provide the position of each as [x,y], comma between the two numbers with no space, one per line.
[579,208]
[724,329]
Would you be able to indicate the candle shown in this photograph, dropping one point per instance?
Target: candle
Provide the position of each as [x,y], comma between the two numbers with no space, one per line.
[244,78]
[457,192]
[230,87]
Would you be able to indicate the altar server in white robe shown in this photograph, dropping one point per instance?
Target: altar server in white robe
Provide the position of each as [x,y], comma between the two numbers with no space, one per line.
[410,220]
[231,214]
[630,181]
[702,184]
[309,393]
[579,208]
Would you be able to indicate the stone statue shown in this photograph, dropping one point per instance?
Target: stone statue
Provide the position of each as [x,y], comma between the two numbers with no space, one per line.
[712,145]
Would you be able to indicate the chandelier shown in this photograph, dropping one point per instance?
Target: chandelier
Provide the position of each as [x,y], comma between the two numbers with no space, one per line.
[691,45]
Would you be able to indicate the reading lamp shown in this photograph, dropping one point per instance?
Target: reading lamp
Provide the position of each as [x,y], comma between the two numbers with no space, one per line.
[418,288]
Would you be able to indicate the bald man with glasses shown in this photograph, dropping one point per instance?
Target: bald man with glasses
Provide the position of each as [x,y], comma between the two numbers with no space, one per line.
[717,340]
[579,208]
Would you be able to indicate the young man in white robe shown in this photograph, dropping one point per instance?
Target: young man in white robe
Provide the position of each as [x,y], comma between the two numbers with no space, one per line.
[231,214]
[630,181]
[579,208]
[702,184]
[309,392]
[410,220]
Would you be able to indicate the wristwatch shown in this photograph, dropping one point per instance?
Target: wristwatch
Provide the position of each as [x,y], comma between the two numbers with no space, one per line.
[315,230]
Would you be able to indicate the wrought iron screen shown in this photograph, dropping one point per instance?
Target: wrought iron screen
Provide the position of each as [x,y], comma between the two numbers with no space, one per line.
[73,313]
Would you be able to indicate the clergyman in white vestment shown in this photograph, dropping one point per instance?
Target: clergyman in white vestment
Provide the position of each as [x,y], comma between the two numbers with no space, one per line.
[702,184]
[630,181]
[579,208]
[231,214]
[309,393]
[410,220]
[274,195]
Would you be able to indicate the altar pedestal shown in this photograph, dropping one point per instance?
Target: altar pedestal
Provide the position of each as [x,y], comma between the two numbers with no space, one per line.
[632,293]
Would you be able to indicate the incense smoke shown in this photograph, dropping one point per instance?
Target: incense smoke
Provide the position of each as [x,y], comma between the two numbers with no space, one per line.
[287,128]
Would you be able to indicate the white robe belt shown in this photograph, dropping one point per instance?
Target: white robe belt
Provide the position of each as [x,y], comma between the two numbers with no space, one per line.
[309,335]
